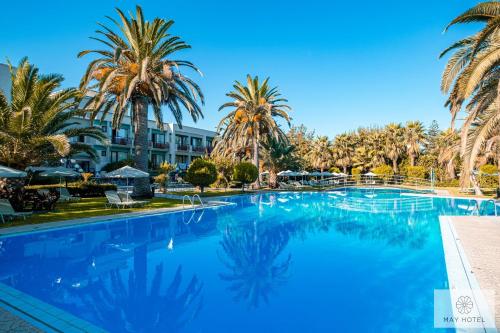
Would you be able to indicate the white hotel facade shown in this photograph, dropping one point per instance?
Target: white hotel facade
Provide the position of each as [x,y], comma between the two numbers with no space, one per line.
[172,144]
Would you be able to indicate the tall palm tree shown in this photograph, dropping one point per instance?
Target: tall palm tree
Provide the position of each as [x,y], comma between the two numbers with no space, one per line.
[343,150]
[472,74]
[135,70]
[278,155]
[394,144]
[448,149]
[36,126]
[320,155]
[414,137]
[252,118]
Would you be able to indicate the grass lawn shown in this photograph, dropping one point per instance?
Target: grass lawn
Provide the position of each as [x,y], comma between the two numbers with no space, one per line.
[87,207]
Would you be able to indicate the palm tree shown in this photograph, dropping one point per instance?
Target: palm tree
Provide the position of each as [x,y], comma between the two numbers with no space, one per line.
[135,70]
[394,144]
[448,149]
[252,118]
[36,126]
[414,136]
[320,155]
[471,74]
[343,151]
[278,156]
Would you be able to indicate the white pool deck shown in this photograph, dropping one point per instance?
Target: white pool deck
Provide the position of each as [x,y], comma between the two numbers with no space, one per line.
[472,252]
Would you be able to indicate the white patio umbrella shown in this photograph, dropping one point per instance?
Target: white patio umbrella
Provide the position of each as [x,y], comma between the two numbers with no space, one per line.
[61,172]
[127,172]
[370,174]
[326,173]
[6,172]
[343,174]
[264,173]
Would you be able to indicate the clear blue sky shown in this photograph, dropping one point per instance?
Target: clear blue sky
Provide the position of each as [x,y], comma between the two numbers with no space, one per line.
[341,65]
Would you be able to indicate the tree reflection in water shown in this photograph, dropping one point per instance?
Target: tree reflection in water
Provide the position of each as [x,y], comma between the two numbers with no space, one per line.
[113,300]
[251,256]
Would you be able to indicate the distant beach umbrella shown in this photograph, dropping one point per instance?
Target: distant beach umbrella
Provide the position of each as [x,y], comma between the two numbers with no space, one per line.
[6,172]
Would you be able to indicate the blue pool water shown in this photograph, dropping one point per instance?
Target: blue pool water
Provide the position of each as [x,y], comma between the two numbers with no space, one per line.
[274,262]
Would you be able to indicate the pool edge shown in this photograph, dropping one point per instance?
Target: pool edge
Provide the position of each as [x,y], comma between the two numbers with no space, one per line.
[459,271]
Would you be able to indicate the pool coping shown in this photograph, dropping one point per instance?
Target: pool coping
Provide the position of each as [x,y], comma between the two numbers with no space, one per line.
[459,270]
[42,315]
[39,227]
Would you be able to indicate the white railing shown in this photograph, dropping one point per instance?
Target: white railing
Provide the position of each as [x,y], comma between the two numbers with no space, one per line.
[373,181]
[383,205]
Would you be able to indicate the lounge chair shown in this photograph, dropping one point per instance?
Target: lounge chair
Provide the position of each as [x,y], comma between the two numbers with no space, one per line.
[65,196]
[285,186]
[6,210]
[115,201]
[297,184]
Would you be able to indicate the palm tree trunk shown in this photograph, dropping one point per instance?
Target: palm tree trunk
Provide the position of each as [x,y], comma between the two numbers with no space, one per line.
[395,165]
[412,159]
[345,169]
[256,156]
[273,178]
[140,112]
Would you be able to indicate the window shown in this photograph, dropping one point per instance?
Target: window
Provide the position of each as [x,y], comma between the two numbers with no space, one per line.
[181,159]
[196,142]
[103,153]
[118,156]
[209,141]
[104,128]
[81,138]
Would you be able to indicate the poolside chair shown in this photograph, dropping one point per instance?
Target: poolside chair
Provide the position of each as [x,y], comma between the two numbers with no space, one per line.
[6,210]
[297,184]
[285,186]
[115,201]
[65,196]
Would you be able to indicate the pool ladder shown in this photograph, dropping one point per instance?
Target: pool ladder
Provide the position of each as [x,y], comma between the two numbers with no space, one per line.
[192,200]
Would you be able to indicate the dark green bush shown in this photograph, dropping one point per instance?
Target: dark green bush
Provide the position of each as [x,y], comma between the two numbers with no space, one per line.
[83,190]
[202,173]
[245,173]
[488,176]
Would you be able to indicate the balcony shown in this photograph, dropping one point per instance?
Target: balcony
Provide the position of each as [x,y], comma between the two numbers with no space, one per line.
[182,147]
[121,141]
[199,149]
[159,145]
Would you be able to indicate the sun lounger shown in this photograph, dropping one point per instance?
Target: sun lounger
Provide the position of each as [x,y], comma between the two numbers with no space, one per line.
[65,196]
[115,201]
[6,210]
[285,186]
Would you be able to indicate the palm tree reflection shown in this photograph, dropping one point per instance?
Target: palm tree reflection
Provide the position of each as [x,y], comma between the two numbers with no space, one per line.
[251,255]
[113,301]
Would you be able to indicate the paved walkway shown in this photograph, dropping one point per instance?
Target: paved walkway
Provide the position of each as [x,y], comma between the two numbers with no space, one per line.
[480,238]
[13,324]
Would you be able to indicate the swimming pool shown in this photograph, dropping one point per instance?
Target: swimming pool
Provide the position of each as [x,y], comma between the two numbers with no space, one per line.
[271,262]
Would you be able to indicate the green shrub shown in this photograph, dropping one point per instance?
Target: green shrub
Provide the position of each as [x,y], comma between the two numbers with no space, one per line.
[202,173]
[383,171]
[416,172]
[334,170]
[245,173]
[356,171]
[117,165]
[488,176]
[448,183]
[83,190]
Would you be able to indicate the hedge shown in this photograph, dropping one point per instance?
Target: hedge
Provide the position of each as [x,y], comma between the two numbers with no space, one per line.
[83,190]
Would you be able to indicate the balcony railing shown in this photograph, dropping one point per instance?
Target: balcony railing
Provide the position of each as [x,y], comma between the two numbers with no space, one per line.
[182,147]
[121,141]
[159,145]
[199,149]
